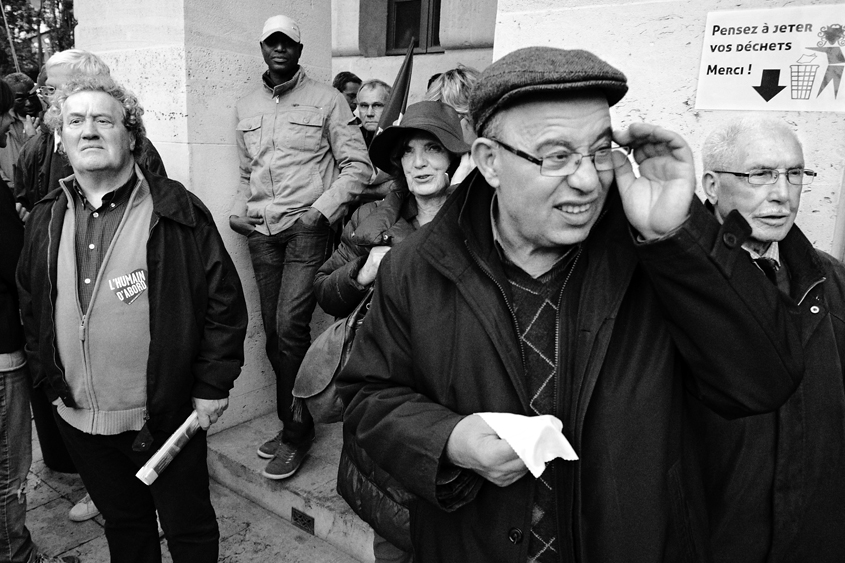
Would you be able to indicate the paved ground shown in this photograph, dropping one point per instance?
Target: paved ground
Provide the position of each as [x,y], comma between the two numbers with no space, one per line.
[248,533]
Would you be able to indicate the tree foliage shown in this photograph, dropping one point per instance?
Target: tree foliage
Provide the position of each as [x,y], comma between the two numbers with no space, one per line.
[55,17]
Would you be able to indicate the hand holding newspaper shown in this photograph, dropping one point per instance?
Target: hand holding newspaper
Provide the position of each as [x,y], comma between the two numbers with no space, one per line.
[165,454]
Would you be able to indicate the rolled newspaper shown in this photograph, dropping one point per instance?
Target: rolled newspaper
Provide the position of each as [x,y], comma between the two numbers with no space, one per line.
[165,454]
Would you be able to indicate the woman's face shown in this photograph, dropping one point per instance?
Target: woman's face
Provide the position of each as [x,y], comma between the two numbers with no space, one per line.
[424,163]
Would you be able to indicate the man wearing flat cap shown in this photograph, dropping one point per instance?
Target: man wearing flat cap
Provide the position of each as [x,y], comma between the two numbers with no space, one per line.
[302,162]
[558,287]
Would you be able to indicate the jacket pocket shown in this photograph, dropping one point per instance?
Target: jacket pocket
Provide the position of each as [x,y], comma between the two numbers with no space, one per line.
[251,130]
[300,129]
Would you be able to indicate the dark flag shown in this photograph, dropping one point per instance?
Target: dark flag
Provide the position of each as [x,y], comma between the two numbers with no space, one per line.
[397,102]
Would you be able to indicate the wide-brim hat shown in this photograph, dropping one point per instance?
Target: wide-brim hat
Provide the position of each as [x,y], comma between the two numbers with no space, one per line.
[436,118]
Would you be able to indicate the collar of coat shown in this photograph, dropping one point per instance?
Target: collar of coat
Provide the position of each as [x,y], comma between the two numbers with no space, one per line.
[803,262]
[280,89]
[387,222]
[168,200]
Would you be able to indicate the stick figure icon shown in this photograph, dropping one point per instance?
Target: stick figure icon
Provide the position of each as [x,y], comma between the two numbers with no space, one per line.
[833,38]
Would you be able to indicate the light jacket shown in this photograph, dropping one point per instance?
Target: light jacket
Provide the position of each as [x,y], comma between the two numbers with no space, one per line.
[650,320]
[198,314]
[775,483]
[298,148]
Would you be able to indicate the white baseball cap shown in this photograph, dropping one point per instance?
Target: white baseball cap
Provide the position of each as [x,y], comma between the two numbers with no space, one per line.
[280,24]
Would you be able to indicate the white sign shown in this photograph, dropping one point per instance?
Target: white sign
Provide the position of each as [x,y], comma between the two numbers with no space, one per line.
[774,59]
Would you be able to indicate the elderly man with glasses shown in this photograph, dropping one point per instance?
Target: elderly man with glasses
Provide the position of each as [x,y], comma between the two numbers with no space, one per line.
[774,482]
[557,294]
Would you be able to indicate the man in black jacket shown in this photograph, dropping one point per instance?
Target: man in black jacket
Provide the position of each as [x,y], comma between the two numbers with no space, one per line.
[556,284]
[134,316]
[774,482]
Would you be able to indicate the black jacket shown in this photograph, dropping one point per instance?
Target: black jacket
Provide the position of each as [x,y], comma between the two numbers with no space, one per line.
[379,223]
[649,320]
[372,493]
[198,315]
[775,483]
[11,242]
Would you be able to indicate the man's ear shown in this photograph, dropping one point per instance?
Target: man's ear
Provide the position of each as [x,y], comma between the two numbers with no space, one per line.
[486,156]
[710,184]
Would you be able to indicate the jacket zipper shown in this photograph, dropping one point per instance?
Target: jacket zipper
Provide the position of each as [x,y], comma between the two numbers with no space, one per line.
[557,387]
[149,383]
[504,296]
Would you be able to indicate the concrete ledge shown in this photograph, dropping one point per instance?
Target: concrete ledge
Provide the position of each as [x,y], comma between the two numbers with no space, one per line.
[232,462]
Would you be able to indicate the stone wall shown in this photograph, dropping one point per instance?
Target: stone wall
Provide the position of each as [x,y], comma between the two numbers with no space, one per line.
[189,61]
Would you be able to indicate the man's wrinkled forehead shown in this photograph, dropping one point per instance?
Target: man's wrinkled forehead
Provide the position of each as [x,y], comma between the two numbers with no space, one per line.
[584,114]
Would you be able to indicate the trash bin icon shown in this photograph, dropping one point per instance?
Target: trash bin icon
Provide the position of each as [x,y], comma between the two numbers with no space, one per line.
[801,80]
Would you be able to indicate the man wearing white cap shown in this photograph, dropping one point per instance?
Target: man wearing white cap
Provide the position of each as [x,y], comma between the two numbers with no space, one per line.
[302,161]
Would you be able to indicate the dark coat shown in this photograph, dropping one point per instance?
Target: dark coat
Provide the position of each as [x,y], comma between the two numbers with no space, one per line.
[775,483]
[198,315]
[40,167]
[439,343]
[372,493]
[11,242]
[379,223]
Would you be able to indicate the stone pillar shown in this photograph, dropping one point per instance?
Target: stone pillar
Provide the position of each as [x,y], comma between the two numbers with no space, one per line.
[189,61]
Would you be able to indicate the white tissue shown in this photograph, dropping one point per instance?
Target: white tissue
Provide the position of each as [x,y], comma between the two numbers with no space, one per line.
[535,439]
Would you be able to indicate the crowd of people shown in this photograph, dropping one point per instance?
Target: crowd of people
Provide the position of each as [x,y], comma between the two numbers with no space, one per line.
[522,274]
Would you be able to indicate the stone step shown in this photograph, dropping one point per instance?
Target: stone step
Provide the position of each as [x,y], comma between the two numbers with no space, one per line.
[308,499]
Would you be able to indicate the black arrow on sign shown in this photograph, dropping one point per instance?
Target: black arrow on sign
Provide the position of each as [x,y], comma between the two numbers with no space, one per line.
[769,87]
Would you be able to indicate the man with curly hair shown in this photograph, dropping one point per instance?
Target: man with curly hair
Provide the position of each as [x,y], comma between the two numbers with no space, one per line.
[134,316]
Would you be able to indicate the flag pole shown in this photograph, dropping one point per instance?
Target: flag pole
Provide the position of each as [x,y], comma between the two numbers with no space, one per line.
[395,106]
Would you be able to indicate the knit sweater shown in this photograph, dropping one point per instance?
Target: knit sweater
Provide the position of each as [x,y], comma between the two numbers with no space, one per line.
[105,347]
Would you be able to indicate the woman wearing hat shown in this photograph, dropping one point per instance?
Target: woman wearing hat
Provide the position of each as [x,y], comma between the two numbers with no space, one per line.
[422,154]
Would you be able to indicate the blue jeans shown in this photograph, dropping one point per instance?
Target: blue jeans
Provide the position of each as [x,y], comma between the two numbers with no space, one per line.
[285,265]
[15,458]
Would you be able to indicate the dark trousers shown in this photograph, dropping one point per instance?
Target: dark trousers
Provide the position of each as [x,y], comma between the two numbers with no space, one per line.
[53,449]
[107,465]
[285,265]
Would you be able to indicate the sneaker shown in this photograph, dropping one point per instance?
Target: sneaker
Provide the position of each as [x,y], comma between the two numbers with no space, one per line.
[41,558]
[287,460]
[83,510]
[268,449]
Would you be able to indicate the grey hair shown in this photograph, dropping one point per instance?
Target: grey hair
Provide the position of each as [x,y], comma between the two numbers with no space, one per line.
[721,147]
[374,83]
[79,62]
[132,110]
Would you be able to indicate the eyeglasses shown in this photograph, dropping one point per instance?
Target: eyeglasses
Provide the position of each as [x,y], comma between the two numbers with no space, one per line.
[45,91]
[566,163]
[766,176]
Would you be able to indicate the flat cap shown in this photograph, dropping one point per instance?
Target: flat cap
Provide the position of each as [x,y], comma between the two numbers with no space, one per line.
[542,69]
